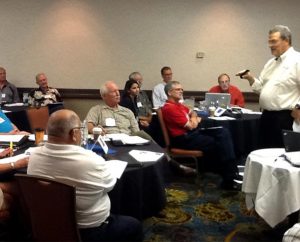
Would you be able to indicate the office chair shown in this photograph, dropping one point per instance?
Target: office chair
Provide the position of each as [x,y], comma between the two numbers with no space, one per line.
[50,206]
[176,153]
[37,117]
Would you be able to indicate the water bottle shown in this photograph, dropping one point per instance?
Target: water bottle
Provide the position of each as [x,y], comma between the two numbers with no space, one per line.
[85,133]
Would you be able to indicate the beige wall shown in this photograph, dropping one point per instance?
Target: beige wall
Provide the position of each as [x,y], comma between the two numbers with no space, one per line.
[80,44]
[81,106]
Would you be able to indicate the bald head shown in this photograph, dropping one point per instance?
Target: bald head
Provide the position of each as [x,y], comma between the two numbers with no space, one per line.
[64,127]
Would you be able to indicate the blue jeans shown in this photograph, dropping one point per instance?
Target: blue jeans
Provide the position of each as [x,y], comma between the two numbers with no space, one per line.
[115,228]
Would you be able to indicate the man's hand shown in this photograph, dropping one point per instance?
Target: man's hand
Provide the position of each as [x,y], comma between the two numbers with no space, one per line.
[246,76]
[296,115]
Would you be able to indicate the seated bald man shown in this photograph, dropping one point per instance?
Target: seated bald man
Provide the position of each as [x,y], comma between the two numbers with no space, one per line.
[64,160]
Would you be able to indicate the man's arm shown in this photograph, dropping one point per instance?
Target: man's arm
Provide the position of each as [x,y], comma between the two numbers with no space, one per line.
[296,115]
[93,118]
[15,93]
[193,121]
[156,98]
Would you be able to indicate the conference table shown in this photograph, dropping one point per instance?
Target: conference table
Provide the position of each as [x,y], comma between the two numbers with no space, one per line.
[140,192]
[244,129]
[271,185]
[18,115]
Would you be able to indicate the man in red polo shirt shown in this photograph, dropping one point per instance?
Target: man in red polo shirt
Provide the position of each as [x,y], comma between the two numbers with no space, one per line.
[237,98]
[182,125]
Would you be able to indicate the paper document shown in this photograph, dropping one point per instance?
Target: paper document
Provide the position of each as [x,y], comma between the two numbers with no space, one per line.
[13,138]
[127,139]
[145,156]
[293,158]
[13,158]
[116,167]
[245,110]
[32,137]
[222,118]
[14,105]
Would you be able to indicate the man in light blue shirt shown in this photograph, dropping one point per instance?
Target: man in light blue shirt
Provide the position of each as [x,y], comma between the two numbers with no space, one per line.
[159,96]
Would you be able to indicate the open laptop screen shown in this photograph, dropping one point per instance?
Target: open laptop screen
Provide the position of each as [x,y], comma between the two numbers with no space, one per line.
[218,99]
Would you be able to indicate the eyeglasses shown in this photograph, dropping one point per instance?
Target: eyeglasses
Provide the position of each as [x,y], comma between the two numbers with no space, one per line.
[79,127]
[177,89]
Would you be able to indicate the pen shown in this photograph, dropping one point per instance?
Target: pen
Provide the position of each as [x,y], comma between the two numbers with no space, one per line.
[11,148]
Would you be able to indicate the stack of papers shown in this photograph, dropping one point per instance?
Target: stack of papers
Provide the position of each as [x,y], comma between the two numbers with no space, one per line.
[127,140]
[7,138]
[145,156]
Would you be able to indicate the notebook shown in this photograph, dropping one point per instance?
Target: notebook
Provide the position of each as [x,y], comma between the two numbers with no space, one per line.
[17,140]
[218,99]
[291,140]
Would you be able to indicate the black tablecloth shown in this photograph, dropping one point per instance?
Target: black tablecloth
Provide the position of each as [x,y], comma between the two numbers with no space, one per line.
[140,192]
[18,115]
[245,132]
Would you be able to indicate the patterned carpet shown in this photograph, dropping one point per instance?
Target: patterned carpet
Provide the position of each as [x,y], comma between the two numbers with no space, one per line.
[204,212]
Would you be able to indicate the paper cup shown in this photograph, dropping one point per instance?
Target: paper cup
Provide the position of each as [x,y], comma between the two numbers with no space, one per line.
[211,111]
[96,132]
[39,135]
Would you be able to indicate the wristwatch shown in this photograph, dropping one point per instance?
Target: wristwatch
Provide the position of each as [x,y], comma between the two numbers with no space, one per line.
[12,164]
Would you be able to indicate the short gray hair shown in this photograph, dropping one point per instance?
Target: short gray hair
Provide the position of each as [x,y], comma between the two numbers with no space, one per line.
[170,85]
[285,32]
[38,75]
[133,75]
[104,89]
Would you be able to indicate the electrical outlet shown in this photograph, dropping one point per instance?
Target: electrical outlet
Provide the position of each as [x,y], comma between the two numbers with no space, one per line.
[200,54]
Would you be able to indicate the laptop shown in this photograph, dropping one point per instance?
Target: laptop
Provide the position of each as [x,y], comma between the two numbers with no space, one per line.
[291,140]
[217,99]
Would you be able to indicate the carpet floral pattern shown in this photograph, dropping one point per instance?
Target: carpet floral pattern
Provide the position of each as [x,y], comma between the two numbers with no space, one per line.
[204,212]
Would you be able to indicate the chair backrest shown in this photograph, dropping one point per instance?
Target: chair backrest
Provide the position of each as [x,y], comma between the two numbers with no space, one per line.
[163,128]
[51,207]
[37,117]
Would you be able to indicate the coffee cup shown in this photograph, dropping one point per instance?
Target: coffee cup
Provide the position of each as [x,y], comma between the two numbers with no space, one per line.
[212,110]
[39,135]
[96,132]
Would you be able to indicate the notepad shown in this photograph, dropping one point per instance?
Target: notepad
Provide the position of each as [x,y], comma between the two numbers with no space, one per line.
[17,140]
[145,156]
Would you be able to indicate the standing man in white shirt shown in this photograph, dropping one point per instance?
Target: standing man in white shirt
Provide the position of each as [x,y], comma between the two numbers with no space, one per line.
[159,96]
[278,86]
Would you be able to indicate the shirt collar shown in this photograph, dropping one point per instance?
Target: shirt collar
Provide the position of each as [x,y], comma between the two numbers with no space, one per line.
[284,55]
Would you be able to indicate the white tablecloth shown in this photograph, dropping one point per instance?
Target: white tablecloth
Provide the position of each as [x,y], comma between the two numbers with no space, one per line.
[271,185]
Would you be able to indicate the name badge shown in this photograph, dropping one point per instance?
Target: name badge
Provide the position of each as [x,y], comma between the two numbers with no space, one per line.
[110,122]
[3,95]
[139,104]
